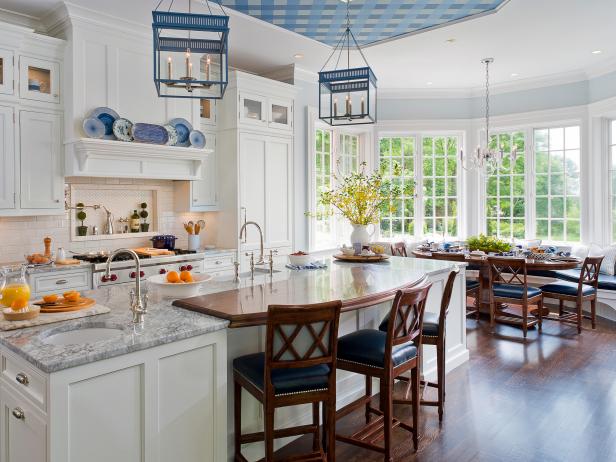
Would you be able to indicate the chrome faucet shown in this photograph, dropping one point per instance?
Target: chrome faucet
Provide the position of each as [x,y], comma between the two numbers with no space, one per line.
[137,306]
[243,230]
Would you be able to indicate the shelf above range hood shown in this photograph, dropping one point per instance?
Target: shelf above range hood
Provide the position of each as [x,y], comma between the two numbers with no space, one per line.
[108,158]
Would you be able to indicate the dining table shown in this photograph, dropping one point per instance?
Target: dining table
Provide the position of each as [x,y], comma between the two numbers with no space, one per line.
[481,265]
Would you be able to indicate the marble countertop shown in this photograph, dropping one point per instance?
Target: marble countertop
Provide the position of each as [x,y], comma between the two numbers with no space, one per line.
[164,323]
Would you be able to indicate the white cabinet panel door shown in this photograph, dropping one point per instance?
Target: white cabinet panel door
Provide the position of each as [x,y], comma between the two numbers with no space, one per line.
[204,192]
[7,82]
[41,161]
[186,406]
[24,431]
[7,158]
[253,152]
[278,192]
[106,417]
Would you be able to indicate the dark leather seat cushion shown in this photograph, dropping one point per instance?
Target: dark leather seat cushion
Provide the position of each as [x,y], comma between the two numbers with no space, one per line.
[285,381]
[606,281]
[430,324]
[367,346]
[567,288]
[471,284]
[514,291]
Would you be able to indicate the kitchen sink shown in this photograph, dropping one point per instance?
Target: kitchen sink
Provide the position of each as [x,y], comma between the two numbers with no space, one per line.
[83,336]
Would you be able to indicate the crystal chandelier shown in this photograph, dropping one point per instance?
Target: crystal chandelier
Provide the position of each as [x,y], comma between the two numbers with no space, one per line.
[190,53]
[347,96]
[486,155]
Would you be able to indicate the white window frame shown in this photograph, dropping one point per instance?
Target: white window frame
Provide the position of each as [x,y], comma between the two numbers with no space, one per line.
[419,135]
[365,141]
[611,146]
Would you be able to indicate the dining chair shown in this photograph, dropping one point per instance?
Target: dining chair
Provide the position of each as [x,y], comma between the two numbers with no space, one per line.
[509,285]
[433,333]
[398,249]
[297,367]
[386,355]
[585,290]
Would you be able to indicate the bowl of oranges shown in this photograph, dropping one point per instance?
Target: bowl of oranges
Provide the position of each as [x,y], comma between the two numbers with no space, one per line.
[179,284]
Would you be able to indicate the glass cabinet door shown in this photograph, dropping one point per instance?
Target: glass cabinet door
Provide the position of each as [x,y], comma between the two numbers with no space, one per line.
[6,72]
[253,109]
[281,114]
[207,111]
[39,79]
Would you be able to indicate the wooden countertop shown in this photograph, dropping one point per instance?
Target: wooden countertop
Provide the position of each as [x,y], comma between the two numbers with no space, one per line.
[357,285]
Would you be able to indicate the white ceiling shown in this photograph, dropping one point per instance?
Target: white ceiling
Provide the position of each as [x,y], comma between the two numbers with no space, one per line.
[531,38]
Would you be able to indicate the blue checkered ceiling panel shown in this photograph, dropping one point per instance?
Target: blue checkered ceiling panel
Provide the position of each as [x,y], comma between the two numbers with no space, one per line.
[371,21]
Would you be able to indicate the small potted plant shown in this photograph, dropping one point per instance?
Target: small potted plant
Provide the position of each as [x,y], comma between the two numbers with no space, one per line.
[81,216]
[145,226]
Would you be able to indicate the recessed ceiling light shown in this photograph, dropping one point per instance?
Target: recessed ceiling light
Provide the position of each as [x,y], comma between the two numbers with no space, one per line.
[298,55]
[451,40]
[597,52]
[514,74]
[428,83]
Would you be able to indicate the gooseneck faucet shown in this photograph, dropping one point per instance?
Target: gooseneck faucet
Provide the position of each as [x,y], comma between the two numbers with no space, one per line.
[137,305]
[243,230]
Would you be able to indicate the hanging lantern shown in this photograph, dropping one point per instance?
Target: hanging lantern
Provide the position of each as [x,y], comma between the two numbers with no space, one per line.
[347,96]
[190,54]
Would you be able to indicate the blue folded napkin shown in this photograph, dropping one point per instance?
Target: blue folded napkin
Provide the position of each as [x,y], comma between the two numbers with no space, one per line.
[309,266]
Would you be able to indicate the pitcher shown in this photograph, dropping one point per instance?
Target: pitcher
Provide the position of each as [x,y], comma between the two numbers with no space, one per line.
[13,286]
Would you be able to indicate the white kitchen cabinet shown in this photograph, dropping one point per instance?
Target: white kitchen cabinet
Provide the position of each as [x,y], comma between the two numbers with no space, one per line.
[253,109]
[42,180]
[7,83]
[268,112]
[280,113]
[23,427]
[207,112]
[7,158]
[200,195]
[39,79]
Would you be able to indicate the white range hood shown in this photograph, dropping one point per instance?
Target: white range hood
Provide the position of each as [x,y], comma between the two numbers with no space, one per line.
[109,158]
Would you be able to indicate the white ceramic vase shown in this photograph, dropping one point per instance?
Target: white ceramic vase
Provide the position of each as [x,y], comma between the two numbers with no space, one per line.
[360,234]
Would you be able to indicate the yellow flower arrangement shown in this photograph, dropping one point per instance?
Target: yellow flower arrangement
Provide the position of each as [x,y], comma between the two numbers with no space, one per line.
[361,197]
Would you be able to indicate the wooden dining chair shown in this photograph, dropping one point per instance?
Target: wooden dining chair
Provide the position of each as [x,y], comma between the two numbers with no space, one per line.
[398,249]
[386,355]
[297,367]
[585,290]
[509,284]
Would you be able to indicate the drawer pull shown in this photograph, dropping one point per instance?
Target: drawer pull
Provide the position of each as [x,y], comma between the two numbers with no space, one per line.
[19,413]
[61,282]
[22,378]
[218,262]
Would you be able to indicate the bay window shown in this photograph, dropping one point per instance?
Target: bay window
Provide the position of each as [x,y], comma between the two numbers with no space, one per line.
[612,154]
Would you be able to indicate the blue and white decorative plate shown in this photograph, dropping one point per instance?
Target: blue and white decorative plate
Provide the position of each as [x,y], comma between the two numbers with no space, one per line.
[183,127]
[107,117]
[197,139]
[149,133]
[173,135]
[122,129]
[93,127]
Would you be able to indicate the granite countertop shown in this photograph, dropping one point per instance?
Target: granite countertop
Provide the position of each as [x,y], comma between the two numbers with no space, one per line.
[164,323]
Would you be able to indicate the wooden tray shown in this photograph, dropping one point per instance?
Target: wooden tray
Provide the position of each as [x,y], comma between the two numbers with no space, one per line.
[361,259]
[153,252]
[62,307]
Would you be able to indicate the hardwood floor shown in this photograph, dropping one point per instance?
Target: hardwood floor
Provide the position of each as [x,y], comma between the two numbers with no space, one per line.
[549,398]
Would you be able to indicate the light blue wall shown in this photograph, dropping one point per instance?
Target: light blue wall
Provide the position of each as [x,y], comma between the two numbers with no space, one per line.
[536,99]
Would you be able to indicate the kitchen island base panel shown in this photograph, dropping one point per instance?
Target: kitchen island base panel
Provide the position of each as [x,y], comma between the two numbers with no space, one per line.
[350,386]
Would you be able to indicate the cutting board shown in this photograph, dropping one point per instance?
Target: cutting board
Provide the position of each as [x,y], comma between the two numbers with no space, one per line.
[48,318]
[71,261]
[62,306]
[153,252]
[360,258]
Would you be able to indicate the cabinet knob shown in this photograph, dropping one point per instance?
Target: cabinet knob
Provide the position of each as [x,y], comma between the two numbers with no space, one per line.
[22,378]
[195,200]
[18,413]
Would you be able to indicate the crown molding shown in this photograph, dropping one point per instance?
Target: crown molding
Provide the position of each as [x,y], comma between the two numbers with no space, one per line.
[423,93]
[24,21]
[305,75]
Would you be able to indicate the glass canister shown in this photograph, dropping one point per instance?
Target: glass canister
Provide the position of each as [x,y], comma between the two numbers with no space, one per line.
[13,286]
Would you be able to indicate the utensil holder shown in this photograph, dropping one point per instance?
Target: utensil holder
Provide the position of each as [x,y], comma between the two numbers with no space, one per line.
[194,241]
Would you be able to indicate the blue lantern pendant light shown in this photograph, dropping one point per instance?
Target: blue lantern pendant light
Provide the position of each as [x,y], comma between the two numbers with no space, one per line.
[347,96]
[190,53]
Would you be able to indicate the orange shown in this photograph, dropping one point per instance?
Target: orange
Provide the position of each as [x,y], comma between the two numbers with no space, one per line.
[68,294]
[173,277]
[19,304]
[50,298]
[72,296]
[186,276]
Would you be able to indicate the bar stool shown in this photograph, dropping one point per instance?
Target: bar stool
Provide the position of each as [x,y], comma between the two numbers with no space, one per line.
[385,355]
[297,367]
[398,249]
[433,333]
[585,290]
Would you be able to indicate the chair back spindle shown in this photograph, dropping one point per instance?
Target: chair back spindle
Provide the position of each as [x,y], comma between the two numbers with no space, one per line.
[590,272]
[509,271]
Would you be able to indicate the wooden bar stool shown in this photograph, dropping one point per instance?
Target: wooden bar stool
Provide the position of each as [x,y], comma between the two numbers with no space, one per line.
[434,333]
[398,249]
[298,367]
[386,355]
[585,290]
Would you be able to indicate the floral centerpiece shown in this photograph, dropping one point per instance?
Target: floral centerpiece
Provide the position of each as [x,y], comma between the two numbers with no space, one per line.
[361,197]
[488,244]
